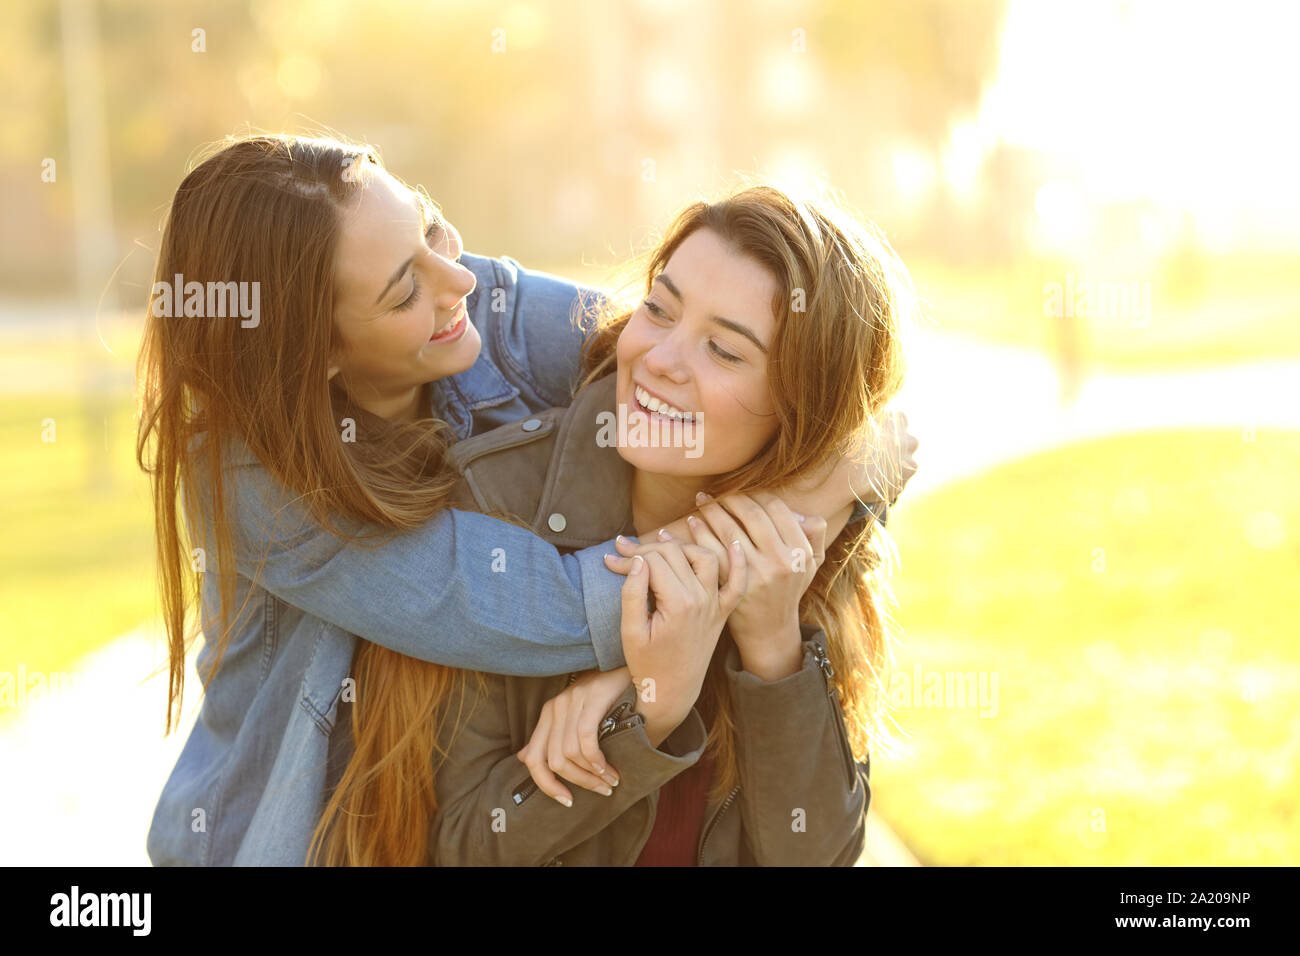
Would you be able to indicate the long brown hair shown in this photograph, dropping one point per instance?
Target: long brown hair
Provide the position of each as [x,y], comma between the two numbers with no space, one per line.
[843,297]
[263,209]
[843,294]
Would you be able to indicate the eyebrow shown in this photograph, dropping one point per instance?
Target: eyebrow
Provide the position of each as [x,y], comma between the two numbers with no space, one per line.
[401,271]
[736,327]
[424,207]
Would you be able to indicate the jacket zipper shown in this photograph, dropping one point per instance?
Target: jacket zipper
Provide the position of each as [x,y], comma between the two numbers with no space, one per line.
[619,720]
[837,715]
[699,861]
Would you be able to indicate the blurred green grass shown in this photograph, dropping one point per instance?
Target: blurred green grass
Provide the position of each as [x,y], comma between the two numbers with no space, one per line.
[76,556]
[1159,697]
[1203,311]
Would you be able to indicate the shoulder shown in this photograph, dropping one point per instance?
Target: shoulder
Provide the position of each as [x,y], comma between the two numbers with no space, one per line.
[504,470]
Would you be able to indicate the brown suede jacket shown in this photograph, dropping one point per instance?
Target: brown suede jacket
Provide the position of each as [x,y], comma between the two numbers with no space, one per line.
[802,800]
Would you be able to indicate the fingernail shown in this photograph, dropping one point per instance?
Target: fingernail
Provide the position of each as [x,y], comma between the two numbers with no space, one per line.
[620,539]
[664,535]
[605,792]
[701,497]
[566,801]
[692,520]
[637,562]
[609,778]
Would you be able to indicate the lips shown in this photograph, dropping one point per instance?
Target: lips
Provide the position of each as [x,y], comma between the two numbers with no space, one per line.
[653,404]
[451,331]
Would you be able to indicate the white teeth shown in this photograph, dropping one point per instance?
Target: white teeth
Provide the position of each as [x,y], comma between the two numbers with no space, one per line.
[662,408]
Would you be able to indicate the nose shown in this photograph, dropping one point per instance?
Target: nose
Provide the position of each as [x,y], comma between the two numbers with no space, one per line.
[664,359]
[455,282]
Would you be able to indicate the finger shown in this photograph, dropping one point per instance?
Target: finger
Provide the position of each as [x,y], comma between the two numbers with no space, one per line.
[582,745]
[561,749]
[580,777]
[795,531]
[756,522]
[788,525]
[588,733]
[704,563]
[628,547]
[666,581]
[737,580]
[702,535]
[572,765]
[635,592]
[618,564]
[722,524]
[534,758]
[569,737]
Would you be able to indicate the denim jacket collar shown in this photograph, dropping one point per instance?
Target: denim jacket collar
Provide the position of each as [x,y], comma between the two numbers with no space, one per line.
[457,397]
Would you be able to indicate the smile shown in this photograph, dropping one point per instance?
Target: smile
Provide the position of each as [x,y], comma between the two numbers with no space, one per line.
[453,331]
[654,406]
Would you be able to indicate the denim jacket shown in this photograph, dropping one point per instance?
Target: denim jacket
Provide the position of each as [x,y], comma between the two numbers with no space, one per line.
[247,788]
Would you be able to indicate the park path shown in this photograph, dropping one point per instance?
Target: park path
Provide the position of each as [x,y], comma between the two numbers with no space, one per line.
[87,765]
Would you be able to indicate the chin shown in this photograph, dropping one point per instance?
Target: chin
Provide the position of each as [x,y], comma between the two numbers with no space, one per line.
[666,461]
[463,355]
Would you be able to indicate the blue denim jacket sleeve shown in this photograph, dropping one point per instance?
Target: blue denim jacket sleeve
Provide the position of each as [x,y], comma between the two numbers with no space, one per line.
[462,590]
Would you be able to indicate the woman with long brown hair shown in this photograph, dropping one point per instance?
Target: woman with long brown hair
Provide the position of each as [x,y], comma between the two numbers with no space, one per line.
[299,455]
[770,330]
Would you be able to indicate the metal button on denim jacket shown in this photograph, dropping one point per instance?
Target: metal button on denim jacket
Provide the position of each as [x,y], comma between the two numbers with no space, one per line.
[248,786]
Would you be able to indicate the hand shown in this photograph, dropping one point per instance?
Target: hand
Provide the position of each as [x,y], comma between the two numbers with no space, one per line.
[783,551]
[875,468]
[566,738]
[890,464]
[668,652]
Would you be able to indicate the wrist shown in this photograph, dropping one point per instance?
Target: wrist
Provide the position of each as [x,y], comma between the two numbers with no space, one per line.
[777,657]
[660,719]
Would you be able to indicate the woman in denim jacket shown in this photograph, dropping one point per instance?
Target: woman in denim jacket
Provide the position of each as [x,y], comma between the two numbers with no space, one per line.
[720,368]
[302,446]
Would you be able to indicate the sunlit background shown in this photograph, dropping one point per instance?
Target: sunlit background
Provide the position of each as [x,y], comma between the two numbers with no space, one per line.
[1100,208]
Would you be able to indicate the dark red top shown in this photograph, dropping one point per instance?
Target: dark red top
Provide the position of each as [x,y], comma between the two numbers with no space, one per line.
[679,818]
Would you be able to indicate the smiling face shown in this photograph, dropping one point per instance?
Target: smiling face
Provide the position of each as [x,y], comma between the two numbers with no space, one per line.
[400,298]
[699,343]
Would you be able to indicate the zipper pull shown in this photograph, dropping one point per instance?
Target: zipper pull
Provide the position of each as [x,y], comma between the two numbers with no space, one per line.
[824,661]
[619,719]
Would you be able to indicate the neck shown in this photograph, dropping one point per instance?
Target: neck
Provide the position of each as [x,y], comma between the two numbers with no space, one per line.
[658,500]
[402,406]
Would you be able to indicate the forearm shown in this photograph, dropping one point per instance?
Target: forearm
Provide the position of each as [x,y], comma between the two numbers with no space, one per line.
[504,820]
[459,590]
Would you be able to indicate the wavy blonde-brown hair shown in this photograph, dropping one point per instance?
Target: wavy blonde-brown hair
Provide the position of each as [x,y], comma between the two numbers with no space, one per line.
[843,297]
[836,360]
[264,209]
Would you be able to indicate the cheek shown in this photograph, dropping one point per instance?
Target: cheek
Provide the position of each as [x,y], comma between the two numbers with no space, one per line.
[630,343]
[739,422]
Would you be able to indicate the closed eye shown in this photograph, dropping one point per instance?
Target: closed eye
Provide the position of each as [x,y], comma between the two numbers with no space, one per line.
[723,353]
[411,299]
